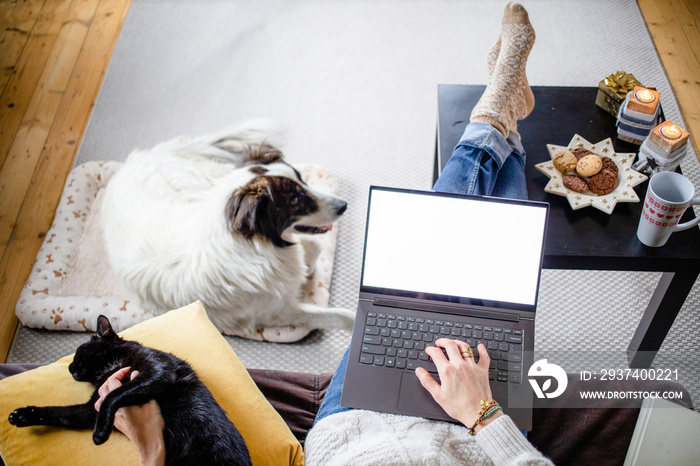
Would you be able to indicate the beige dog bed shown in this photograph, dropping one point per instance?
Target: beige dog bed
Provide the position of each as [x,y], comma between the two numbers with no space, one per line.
[72,283]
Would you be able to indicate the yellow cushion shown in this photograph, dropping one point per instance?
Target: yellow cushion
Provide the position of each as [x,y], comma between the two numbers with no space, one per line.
[188,334]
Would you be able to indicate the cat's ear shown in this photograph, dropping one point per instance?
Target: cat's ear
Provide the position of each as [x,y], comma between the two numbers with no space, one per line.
[104,328]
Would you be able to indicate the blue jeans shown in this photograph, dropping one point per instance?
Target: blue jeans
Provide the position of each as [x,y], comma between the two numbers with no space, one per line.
[483,163]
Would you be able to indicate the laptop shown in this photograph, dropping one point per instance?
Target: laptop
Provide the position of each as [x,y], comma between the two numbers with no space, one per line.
[445,265]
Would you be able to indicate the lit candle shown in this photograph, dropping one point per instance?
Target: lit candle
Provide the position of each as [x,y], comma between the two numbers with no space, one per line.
[643,100]
[671,131]
[645,95]
[668,136]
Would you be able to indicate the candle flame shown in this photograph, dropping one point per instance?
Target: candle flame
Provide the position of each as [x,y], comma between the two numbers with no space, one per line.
[645,95]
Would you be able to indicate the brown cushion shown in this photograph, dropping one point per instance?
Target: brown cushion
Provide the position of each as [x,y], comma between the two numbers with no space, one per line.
[296,396]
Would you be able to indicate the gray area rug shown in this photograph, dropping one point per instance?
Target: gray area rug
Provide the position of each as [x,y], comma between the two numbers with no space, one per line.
[355,84]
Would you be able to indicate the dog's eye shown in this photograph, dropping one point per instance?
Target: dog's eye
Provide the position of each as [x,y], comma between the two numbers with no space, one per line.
[298,196]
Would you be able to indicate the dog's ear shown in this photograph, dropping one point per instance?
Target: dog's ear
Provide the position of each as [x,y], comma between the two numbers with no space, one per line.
[242,209]
[263,154]
[251,211]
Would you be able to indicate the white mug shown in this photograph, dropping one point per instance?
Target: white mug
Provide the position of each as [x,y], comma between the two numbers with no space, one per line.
[668,195]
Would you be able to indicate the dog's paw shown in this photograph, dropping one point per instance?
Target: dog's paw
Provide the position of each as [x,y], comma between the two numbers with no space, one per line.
[313,316]
[346,318]
[23,417]
[312,249]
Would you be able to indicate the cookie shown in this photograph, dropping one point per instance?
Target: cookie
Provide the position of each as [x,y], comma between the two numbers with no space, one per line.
[603,183]
[564,161]
[589,165]
[580,152]
[575,183]
[609,164]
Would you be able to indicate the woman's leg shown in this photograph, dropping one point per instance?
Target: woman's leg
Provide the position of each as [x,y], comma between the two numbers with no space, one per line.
[508,97]
[485,163]
[511,179]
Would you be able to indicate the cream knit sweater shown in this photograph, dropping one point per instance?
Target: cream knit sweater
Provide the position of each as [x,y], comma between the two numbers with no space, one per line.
[360,437]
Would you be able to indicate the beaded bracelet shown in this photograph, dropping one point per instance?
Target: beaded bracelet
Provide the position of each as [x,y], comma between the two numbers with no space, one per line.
[497,408]
[470,430]
[487,409]
[486,405]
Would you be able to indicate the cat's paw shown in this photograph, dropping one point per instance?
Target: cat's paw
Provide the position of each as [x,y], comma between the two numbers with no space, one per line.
[23,417]
[100,436]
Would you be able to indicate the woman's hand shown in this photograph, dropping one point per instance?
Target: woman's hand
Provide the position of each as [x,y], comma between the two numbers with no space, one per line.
[463,382]
[143,425]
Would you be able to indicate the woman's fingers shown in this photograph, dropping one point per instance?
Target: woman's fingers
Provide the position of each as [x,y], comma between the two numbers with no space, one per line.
[452,349]
[112,383]
[428,382]
[456,350]
[484,358]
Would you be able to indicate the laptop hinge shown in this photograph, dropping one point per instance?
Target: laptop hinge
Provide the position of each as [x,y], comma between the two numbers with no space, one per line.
[446,308]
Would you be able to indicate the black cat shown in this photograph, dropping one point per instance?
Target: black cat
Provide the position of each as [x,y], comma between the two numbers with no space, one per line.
[197,430]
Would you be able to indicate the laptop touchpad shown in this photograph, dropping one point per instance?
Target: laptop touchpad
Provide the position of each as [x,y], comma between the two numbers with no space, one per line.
[413,398]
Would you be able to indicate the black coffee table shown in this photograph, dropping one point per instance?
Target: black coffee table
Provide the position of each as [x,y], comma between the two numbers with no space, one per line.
[587,239]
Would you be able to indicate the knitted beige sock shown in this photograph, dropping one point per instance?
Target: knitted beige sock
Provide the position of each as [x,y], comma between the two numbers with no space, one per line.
[508,97]
[492,56]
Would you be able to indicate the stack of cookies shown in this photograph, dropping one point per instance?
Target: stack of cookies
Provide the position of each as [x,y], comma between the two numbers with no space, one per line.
[664,148]
[584,171]
[638,114]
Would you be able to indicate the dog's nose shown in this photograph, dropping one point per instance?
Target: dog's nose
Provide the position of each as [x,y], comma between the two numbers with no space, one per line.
[342,208]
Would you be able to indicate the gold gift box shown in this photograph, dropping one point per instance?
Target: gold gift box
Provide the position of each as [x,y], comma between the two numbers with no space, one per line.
[613,89]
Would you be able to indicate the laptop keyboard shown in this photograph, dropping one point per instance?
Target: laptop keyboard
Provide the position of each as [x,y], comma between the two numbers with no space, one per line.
[398,341]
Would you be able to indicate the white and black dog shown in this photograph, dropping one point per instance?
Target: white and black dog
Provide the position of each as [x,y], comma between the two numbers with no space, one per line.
[214,219]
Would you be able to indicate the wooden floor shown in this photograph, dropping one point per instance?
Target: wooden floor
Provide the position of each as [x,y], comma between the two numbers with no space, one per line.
[54,54]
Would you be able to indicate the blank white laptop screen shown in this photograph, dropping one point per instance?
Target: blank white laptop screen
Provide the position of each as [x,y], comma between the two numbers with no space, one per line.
[454,246]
